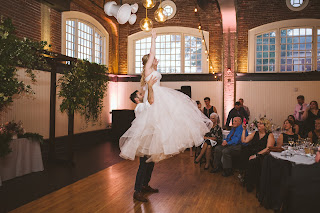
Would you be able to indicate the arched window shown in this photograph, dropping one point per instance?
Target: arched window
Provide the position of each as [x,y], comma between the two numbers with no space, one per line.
[285,46]
[178,49]
[84,37]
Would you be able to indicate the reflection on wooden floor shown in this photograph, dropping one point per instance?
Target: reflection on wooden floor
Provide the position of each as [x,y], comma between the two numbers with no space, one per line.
[184,187]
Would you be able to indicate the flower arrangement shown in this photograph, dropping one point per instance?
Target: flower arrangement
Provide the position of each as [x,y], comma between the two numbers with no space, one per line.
[12,128]
[7,130]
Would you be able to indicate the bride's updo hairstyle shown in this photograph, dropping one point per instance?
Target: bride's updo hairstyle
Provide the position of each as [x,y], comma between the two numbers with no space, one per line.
[143,74]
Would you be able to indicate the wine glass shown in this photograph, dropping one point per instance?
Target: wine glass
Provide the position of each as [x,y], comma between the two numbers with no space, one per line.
[291,142]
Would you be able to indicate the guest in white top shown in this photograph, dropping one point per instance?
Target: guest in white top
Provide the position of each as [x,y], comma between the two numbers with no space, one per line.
[299,109]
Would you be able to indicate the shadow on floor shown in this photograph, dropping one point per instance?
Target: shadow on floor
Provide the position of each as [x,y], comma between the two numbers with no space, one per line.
[88,160]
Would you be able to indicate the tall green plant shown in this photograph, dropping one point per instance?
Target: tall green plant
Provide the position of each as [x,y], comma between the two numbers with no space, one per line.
[83,89]
[16,52]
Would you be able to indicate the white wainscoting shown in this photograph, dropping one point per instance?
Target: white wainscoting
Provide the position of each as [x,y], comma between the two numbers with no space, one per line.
[275,99]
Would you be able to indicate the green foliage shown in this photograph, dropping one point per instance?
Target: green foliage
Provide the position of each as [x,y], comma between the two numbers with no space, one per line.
[32,136]
[5,140]
[83,89]
[16,52]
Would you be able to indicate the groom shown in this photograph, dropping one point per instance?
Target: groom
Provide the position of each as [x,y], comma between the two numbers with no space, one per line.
[145,169]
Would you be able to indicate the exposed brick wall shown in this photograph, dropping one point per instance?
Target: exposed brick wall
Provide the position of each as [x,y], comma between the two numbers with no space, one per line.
[185,17]
[55,19]
[255,13]
[25,15]
[228,76]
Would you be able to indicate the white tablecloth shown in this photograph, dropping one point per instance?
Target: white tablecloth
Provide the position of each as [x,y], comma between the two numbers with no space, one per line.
[298,159]
[25,158]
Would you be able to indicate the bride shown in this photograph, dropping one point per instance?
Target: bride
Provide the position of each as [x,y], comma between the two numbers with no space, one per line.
[170,125]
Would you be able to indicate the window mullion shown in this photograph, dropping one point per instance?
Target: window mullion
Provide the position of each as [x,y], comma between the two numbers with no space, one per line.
[314,48]
[182,53]
[93,45]
[278,50]
[76,39]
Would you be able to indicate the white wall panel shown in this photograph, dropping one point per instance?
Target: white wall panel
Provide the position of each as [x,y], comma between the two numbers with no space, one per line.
[275,99]
[32,110]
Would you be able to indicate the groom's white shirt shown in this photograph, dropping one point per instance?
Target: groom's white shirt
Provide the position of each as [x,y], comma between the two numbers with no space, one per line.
[141,107]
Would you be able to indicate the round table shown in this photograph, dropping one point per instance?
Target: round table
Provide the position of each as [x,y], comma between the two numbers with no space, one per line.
[297,158]
[25,158]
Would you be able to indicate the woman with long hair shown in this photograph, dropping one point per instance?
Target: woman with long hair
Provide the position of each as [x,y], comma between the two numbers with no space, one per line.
[295,127]
[288,134]
[170,125]
[251,155]
[310,115]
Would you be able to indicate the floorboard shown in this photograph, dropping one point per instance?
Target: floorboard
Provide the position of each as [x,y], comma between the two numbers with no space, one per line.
[184,187]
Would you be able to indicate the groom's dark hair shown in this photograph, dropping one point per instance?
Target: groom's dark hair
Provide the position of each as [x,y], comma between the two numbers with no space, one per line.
[133,96]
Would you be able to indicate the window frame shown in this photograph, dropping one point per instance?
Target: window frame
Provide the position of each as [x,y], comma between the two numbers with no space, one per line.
[183,31]
[172,5]
[97,27]
[277,26]
[301,7]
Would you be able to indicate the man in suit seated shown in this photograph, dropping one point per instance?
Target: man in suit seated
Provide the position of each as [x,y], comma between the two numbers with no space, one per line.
[229,148]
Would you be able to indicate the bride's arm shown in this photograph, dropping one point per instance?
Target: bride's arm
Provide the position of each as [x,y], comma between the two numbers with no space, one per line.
[150,83]
[152,54]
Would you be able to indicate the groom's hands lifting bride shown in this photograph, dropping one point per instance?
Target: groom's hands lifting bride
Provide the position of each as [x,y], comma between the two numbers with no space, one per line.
[150,83]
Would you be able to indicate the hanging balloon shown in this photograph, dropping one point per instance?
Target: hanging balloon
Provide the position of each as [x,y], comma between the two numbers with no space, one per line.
[149,3]
[160,15]
[146,24]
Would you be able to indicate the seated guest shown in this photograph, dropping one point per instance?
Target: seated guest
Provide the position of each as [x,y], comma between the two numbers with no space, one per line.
[258,145]
[244,107]
[229,148]
[212,138]
[310,115]
[237,111]
[295,126]
[288,134]
[318,156]
[199,105]
[315,134]
[208,109]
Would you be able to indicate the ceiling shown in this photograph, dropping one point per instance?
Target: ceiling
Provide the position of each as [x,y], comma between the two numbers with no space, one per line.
[227,8]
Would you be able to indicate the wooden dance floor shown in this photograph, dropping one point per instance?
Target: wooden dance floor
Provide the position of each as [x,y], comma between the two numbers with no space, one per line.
[184,187]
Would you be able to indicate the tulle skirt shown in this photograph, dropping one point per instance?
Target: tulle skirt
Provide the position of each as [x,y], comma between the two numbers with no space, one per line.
[169,126]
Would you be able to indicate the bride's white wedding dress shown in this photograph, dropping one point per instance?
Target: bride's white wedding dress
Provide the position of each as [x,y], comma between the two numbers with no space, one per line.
[169,126]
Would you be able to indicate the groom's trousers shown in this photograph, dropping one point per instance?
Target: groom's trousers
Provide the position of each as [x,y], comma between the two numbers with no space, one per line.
[144,174]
